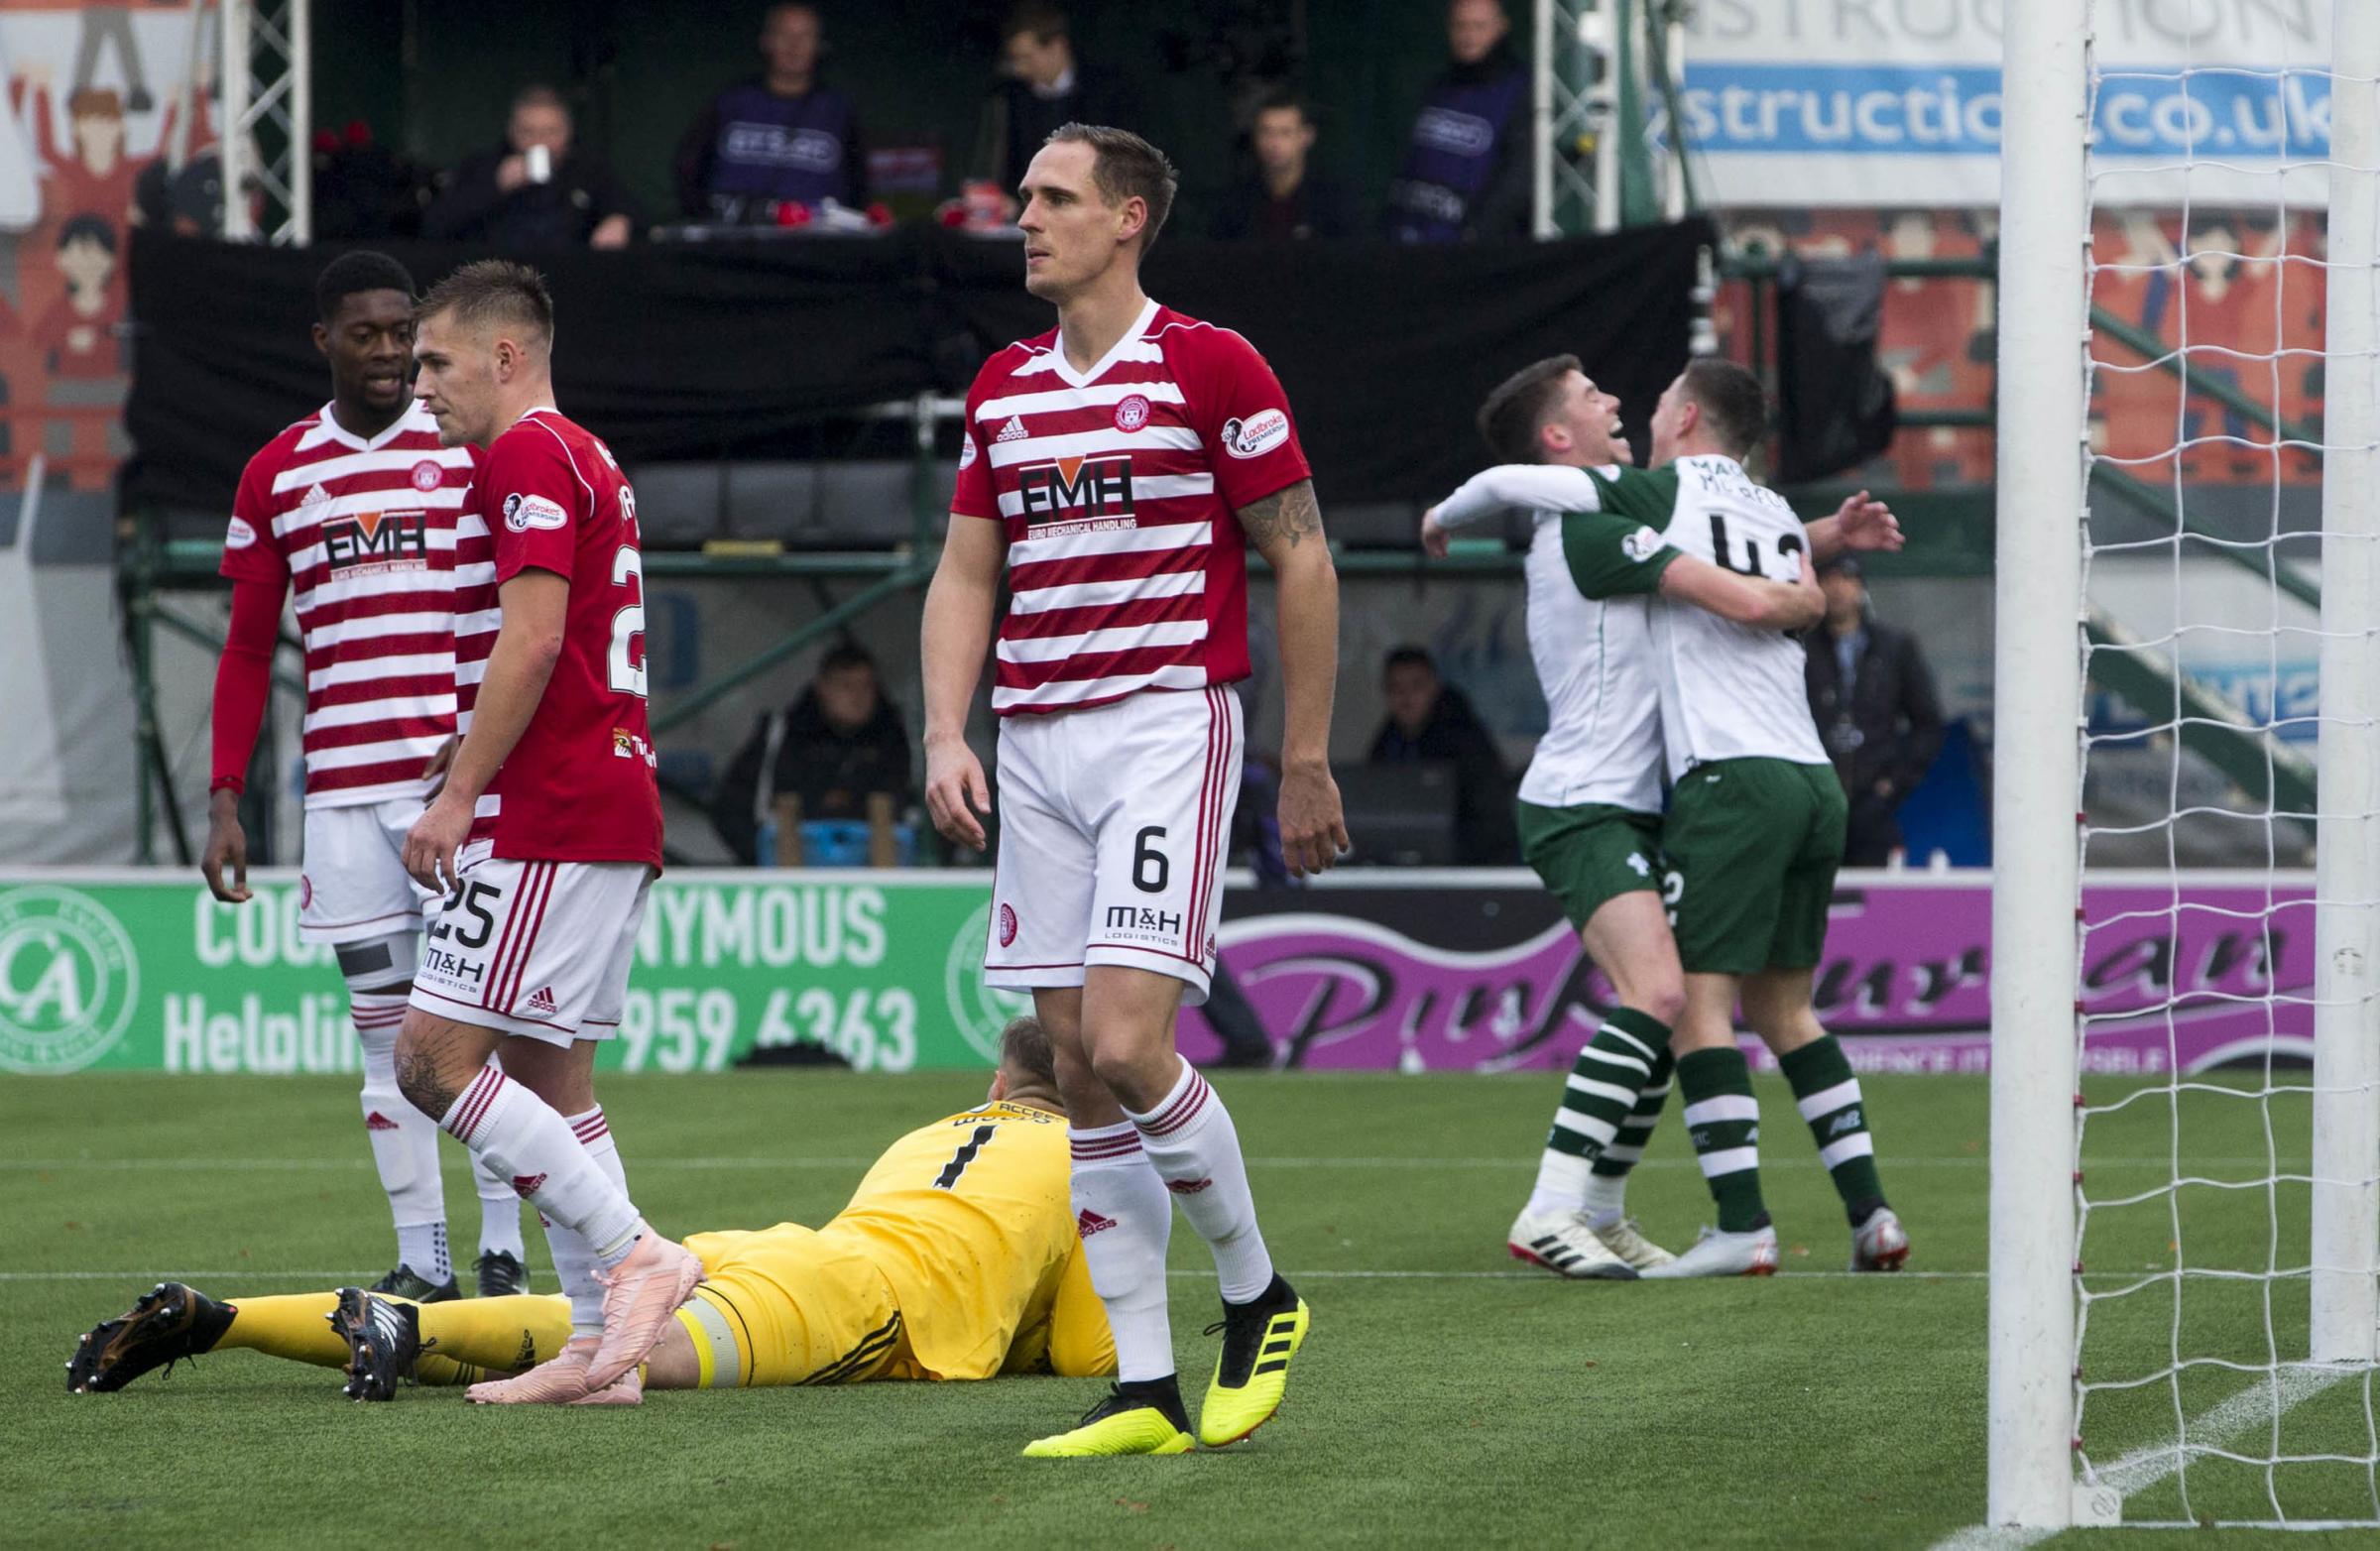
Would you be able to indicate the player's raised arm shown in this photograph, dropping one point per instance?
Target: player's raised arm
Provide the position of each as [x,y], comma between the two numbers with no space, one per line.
[1862,522]
[959,611]
[1286,529]
[1545,487]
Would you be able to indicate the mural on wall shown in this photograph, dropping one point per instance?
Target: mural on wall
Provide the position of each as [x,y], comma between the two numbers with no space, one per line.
[109,123]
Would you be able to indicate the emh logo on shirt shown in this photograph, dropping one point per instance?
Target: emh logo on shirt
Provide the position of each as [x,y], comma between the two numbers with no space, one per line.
[377,541]
[1077,490]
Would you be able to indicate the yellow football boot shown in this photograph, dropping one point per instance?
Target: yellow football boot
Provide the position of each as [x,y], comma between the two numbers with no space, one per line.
[1120,1424]
[1258,1340]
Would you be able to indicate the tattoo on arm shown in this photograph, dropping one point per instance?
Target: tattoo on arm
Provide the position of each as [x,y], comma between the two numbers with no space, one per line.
[1289,515]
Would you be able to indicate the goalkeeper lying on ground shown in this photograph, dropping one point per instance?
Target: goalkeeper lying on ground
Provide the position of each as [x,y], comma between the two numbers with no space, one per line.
[956,1259]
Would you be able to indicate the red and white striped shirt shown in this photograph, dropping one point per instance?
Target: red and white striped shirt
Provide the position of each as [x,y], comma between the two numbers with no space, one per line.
[363,532]
[1117,487]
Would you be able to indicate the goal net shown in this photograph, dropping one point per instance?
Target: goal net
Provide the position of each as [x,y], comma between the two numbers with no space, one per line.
[2211,914]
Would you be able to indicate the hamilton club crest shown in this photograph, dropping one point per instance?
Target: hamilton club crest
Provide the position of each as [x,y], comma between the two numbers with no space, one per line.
[979,1011]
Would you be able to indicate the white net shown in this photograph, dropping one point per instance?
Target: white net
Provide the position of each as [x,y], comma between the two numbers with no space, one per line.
[2198,1007]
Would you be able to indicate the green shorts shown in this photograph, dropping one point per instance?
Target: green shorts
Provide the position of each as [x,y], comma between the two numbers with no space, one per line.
[1751,847]
[1590,852]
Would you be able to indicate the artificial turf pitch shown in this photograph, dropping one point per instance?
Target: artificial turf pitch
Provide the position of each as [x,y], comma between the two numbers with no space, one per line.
[1447,1396]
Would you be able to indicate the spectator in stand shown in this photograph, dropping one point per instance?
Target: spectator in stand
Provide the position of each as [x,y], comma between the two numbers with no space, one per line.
[825,756]
[1282,200]
[536,190]
[780,138]
[1873,696]
[1429,719]
[1466,169]
[1042,86]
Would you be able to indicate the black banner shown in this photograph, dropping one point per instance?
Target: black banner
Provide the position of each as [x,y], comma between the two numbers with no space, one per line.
[712,350]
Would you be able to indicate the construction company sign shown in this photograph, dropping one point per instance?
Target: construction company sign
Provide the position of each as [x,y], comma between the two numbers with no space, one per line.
[1871,103]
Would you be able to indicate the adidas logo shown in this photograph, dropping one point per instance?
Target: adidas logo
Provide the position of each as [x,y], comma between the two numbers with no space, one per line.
[315,495]
[1088,1221]
[379,1122]
[1187,1187]
[542,1001]
[1013,431]
[527,1185]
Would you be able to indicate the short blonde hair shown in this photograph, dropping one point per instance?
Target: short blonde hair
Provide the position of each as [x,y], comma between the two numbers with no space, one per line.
[493,291]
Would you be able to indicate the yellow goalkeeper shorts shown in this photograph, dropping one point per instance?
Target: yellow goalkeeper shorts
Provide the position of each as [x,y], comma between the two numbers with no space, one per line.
[783,1306]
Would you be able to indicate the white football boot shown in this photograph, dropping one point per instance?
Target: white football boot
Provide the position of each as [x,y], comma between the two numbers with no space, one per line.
[1881,1244]
[1724,1254]
[1563,1243]
[1623,1239]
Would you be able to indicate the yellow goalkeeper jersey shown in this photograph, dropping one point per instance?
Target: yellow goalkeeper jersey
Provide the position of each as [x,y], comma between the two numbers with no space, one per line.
[971,1221]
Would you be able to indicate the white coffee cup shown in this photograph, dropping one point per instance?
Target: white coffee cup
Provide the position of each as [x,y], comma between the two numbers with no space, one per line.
[537,160]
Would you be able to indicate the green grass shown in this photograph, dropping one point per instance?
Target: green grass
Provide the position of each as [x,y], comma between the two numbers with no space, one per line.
[1442,1401]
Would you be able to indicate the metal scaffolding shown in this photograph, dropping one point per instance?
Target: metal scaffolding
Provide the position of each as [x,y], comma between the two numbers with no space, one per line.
[268,120]
[1598,160]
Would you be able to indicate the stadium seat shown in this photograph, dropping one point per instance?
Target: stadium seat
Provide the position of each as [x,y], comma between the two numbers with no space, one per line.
[1400,814]
[1376,524]
[861,506]
[679,504]
[845,504]
[770,500]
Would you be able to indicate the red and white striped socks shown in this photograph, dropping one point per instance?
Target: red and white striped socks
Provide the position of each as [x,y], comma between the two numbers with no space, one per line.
[1124,1220]
[525,1141]
[1190,1139]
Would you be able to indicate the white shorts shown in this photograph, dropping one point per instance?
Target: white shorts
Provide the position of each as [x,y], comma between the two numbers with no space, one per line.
[1114,824]
[354,887]
[539,949]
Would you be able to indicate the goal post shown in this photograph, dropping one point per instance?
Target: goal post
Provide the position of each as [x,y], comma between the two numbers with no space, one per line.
[2037,708]
[2188,1332]
[2345,1202]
